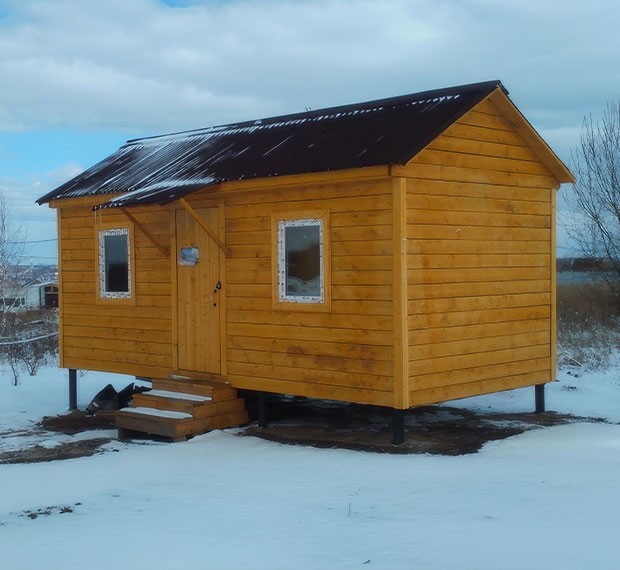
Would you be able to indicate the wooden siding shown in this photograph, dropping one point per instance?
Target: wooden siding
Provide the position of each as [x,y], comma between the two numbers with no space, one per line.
[115,337]
[480,290]
[345,353]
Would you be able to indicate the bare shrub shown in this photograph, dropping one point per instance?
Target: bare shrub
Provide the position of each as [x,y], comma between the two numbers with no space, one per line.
[587,324]
[29,341]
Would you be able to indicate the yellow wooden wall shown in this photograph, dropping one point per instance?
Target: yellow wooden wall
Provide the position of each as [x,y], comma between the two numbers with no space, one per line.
[480,262]
[114,337]
[346,353]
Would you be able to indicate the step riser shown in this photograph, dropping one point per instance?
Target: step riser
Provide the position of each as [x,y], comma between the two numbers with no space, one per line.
[165,427]
[223,410]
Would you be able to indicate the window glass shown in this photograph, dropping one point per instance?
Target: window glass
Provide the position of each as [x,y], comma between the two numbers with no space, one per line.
[300,250]
[114,263]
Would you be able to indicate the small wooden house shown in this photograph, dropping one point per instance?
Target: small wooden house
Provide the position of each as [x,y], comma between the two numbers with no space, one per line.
[398,252]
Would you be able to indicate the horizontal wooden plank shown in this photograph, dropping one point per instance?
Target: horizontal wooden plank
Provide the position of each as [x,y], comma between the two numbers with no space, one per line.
[478,204]
[361,233]
[316,192]
[248,238]
[249,264]
[475,247]
[133,358]
[471,190]
[479,374]
[357,202]
[248,224]
[361,217]
[312,376]
[320,348]
[95,331]
[487,288]
[348,248]
[489,120]
[119,345]
[477,233]
[362,292]
[362,263]
[77,254]
[345,336]
[321,320]
[249,276]
[479,303]
[447,393]
[466,361]
[69,266]
[365,277]
[481,261]
[132,320]
[434,320]
[364,307]
[424,352]
[335,363]
[474,275]
[471,332]
[419,170]
[110,310]
[472,132]
[323,391]
[481,162]
[482,148]
[107,365]
[477,219]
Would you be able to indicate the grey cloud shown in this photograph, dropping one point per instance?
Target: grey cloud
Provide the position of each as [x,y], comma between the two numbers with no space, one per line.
[144,67]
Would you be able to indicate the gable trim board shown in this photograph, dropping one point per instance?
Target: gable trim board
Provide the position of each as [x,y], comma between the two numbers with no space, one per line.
[440,257]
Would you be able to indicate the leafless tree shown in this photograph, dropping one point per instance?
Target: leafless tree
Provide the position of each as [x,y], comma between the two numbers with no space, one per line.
[596,193]
[12,245]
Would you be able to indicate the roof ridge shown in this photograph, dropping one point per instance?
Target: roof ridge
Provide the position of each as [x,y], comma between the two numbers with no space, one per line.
[303,116]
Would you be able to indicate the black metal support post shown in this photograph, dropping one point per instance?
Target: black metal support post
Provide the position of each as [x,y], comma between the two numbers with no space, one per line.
[262,409]
[540,398]
[73,389]
[398,426]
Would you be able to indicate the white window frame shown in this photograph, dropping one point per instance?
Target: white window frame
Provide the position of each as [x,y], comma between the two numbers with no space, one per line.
[103,292]
[281,233]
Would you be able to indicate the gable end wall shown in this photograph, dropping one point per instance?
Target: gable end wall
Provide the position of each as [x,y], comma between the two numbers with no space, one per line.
[480,229]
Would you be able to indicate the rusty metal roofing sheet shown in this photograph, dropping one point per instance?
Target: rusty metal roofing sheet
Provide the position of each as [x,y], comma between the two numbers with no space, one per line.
[165,168]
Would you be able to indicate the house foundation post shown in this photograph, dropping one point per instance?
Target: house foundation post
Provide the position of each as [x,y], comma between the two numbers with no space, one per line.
[398,426]
[262,409]
[73,389]
[539,391]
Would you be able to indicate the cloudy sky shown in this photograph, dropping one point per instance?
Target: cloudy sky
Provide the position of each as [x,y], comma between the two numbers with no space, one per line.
[79,78]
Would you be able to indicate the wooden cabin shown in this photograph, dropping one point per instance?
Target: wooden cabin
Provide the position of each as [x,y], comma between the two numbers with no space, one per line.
[398,252]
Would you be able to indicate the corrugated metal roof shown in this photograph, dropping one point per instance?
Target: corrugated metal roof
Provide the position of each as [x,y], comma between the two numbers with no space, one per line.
[164,168]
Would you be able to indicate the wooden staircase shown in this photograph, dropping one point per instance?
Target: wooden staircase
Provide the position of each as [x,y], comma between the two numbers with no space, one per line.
[179,409]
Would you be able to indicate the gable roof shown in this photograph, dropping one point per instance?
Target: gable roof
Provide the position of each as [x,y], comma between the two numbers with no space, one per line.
[165,168]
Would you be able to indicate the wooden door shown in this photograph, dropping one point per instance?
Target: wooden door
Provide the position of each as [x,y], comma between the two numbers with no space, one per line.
[198,293]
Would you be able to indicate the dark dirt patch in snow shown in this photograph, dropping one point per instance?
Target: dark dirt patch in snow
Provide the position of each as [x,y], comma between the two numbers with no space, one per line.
[440,430]
[68,424]
[69,450]
[76,422]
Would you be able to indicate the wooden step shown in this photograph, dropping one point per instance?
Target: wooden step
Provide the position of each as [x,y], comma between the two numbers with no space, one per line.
[179,409]
[176,425]
[217,392]
[197,406]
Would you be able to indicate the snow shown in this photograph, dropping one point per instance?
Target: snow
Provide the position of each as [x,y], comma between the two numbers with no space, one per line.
[545,499]
[158,413]
[179,396]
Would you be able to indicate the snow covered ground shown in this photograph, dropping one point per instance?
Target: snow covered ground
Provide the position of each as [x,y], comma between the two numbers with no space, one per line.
[546,499]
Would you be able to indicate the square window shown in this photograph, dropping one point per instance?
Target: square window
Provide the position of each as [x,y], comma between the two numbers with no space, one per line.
[114,264]
[300,261]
